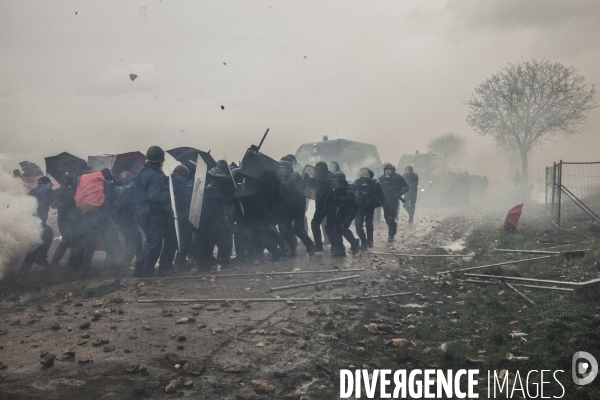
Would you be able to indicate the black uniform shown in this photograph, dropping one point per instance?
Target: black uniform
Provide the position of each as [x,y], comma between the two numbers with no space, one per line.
[369,196]
[340,208]
[214,229]
[290,213]
[412,180]
[44,196]
[394,187]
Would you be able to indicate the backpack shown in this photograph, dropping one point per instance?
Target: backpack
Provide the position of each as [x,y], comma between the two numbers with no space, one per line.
[90,193]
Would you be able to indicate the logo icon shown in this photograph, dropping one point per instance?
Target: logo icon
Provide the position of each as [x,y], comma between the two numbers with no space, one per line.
[584,368]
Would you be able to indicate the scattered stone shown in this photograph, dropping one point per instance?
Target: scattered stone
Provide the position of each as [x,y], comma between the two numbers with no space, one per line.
[172,386]
[69,353]
[85,360]
[99,342]
[48,360]
[330,325]
[180,347]
[166,313]
[305,376]
[231,368]
[181,338]
[81,342]
[371,328]
[55,326]
[85,336]
[293,396]
[132,369]
[288,332]
[183,320]
[262,386]
[397,342]
[246,394]
[175,359]
[188,384]
[15,322]
[386,363]
[127,350]
[144,371]
[301,345]
[108,349]
[194,368]
[85,325]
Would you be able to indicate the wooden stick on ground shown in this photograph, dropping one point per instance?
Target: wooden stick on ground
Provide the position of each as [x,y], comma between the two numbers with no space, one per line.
[521,294]
[313,283]
[495,265]
[328,271]
[516,278]
[425,255]
[528,251]
[272,300]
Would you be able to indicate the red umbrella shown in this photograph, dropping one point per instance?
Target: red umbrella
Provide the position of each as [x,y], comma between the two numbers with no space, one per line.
[512,218]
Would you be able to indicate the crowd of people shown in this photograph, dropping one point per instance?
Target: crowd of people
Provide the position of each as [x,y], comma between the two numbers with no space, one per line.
[92,210]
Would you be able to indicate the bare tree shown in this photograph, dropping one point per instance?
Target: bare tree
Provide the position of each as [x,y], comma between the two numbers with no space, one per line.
[449,145]
[530,102]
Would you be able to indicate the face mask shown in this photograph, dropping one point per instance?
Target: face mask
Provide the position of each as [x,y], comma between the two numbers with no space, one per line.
[388,172]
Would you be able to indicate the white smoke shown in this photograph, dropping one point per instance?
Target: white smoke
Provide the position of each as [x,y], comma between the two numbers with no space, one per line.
[20,228]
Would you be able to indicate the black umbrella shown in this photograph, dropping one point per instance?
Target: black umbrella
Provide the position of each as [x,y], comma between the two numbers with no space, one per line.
[258,173]
[188,155]
[30,170]
[127,165]
[64,165]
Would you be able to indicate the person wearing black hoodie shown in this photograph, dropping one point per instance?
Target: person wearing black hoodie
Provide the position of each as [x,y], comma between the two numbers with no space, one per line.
[44,195]
[394,187]
[369,196]
[410,198]
[341,207]
[153,205]
[290,209]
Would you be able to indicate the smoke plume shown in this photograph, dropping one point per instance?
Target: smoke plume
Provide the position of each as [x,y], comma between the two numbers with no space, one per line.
[20,228]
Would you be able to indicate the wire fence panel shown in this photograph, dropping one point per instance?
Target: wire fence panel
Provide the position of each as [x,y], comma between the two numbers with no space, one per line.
[573,191]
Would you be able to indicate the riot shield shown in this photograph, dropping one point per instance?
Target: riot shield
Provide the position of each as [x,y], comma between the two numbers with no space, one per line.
[174,207]
[313,180]
[198,192]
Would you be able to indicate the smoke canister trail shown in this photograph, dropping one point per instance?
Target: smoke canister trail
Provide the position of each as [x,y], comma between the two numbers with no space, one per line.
[20,228]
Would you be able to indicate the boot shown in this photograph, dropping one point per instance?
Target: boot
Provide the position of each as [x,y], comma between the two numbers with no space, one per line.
[310,249]
[363,244]
[355,247]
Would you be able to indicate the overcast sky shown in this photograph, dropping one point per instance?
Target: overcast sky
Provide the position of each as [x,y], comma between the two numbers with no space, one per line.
[393,73]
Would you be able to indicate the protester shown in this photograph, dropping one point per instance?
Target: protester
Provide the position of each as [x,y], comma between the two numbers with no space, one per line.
[44,195]
[410,198]
[394,187]
[369,196]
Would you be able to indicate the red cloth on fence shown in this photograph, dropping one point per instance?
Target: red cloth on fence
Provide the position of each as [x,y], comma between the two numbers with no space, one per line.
[512,218]
[90,193]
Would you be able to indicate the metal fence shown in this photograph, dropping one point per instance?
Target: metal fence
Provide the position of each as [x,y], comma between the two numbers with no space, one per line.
[573,191]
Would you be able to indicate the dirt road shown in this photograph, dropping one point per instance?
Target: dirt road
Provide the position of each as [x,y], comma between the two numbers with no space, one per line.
[113,347]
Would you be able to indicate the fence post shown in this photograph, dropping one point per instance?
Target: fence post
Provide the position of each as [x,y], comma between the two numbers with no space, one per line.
[559,191]
[546,197]
[553,189]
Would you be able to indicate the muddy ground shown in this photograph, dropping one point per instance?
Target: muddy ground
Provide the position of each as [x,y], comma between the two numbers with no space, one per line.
[113,347]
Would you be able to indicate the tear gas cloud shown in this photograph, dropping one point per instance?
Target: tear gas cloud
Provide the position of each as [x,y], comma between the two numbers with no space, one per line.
[20,228]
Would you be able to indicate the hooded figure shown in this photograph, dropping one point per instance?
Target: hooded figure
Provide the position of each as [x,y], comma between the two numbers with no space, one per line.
[394,187]
[214,229]
[320,212]
[44,195]
[291,208]
[183,199]
[369,196]
[153,205]
[412,180]
[340,206]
